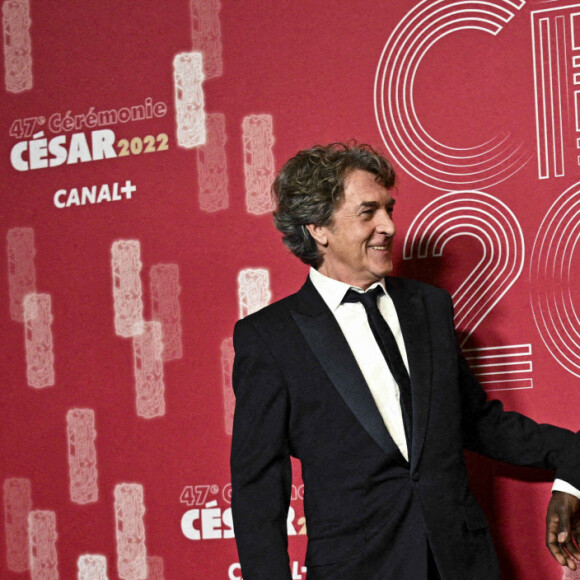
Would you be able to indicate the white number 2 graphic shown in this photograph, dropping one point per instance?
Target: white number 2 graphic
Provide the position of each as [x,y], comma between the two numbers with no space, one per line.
[490,221]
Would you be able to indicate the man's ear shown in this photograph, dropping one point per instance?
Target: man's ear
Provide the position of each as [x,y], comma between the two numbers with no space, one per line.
[319,233]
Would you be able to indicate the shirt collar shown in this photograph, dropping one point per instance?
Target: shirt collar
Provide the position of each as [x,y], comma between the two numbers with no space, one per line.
[333,291]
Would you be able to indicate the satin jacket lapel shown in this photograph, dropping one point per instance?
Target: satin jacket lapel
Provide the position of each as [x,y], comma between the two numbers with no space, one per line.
[412,317]
[325,338]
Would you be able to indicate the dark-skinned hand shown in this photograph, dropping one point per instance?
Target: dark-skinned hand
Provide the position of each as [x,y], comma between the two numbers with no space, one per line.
[563,529]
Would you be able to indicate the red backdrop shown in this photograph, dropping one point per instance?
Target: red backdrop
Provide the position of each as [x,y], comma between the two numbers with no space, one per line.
[138,144]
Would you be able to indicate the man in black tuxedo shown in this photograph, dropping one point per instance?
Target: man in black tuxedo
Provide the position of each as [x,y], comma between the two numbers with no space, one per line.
[358,375]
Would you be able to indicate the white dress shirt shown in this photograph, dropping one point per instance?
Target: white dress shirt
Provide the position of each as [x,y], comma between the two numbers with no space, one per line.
[353,321]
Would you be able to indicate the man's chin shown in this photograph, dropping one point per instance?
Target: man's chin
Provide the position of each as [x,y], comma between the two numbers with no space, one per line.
[383,270]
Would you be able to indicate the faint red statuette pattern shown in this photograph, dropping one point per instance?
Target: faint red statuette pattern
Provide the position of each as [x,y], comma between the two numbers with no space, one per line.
[130,532]
[82,456]
[253,290]
[38,340]
[127,292]
[212,167]
[42,537]
[165,308]
[17,46]
[21,271]
[17,506]
[258,139]
[189,99]
[149,385]
[227,352]
[206,35]
[155,568]
[92,567]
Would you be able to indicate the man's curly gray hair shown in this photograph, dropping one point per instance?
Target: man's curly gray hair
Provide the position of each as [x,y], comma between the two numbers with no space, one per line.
[310,187]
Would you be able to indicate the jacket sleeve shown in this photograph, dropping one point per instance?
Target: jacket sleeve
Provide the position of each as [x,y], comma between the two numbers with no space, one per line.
[260,458]
[512,437]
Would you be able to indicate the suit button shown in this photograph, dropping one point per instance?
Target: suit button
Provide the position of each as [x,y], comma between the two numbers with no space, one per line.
[415,476]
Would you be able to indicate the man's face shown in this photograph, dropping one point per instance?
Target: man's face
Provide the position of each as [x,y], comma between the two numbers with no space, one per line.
[357,245]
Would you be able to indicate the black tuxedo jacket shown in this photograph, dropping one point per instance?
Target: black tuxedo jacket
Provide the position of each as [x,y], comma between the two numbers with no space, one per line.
[370,514]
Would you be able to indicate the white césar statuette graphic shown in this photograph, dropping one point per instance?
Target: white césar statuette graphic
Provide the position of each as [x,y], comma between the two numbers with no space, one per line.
[130,532]
[258,143]
[189,99]
[206,35]
[253,290]
[127,290]
[92,567]
[17,506]
[165,308]
[253,293]
[149,382]
[42,537]
[17,45]
[21,270]
[212,170]
[82,456]
[38,340]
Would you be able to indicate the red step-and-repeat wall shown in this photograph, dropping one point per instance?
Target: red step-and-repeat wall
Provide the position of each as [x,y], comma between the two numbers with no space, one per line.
[138,144]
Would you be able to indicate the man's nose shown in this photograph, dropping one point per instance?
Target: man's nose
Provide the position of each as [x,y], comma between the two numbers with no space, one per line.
[386,225]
